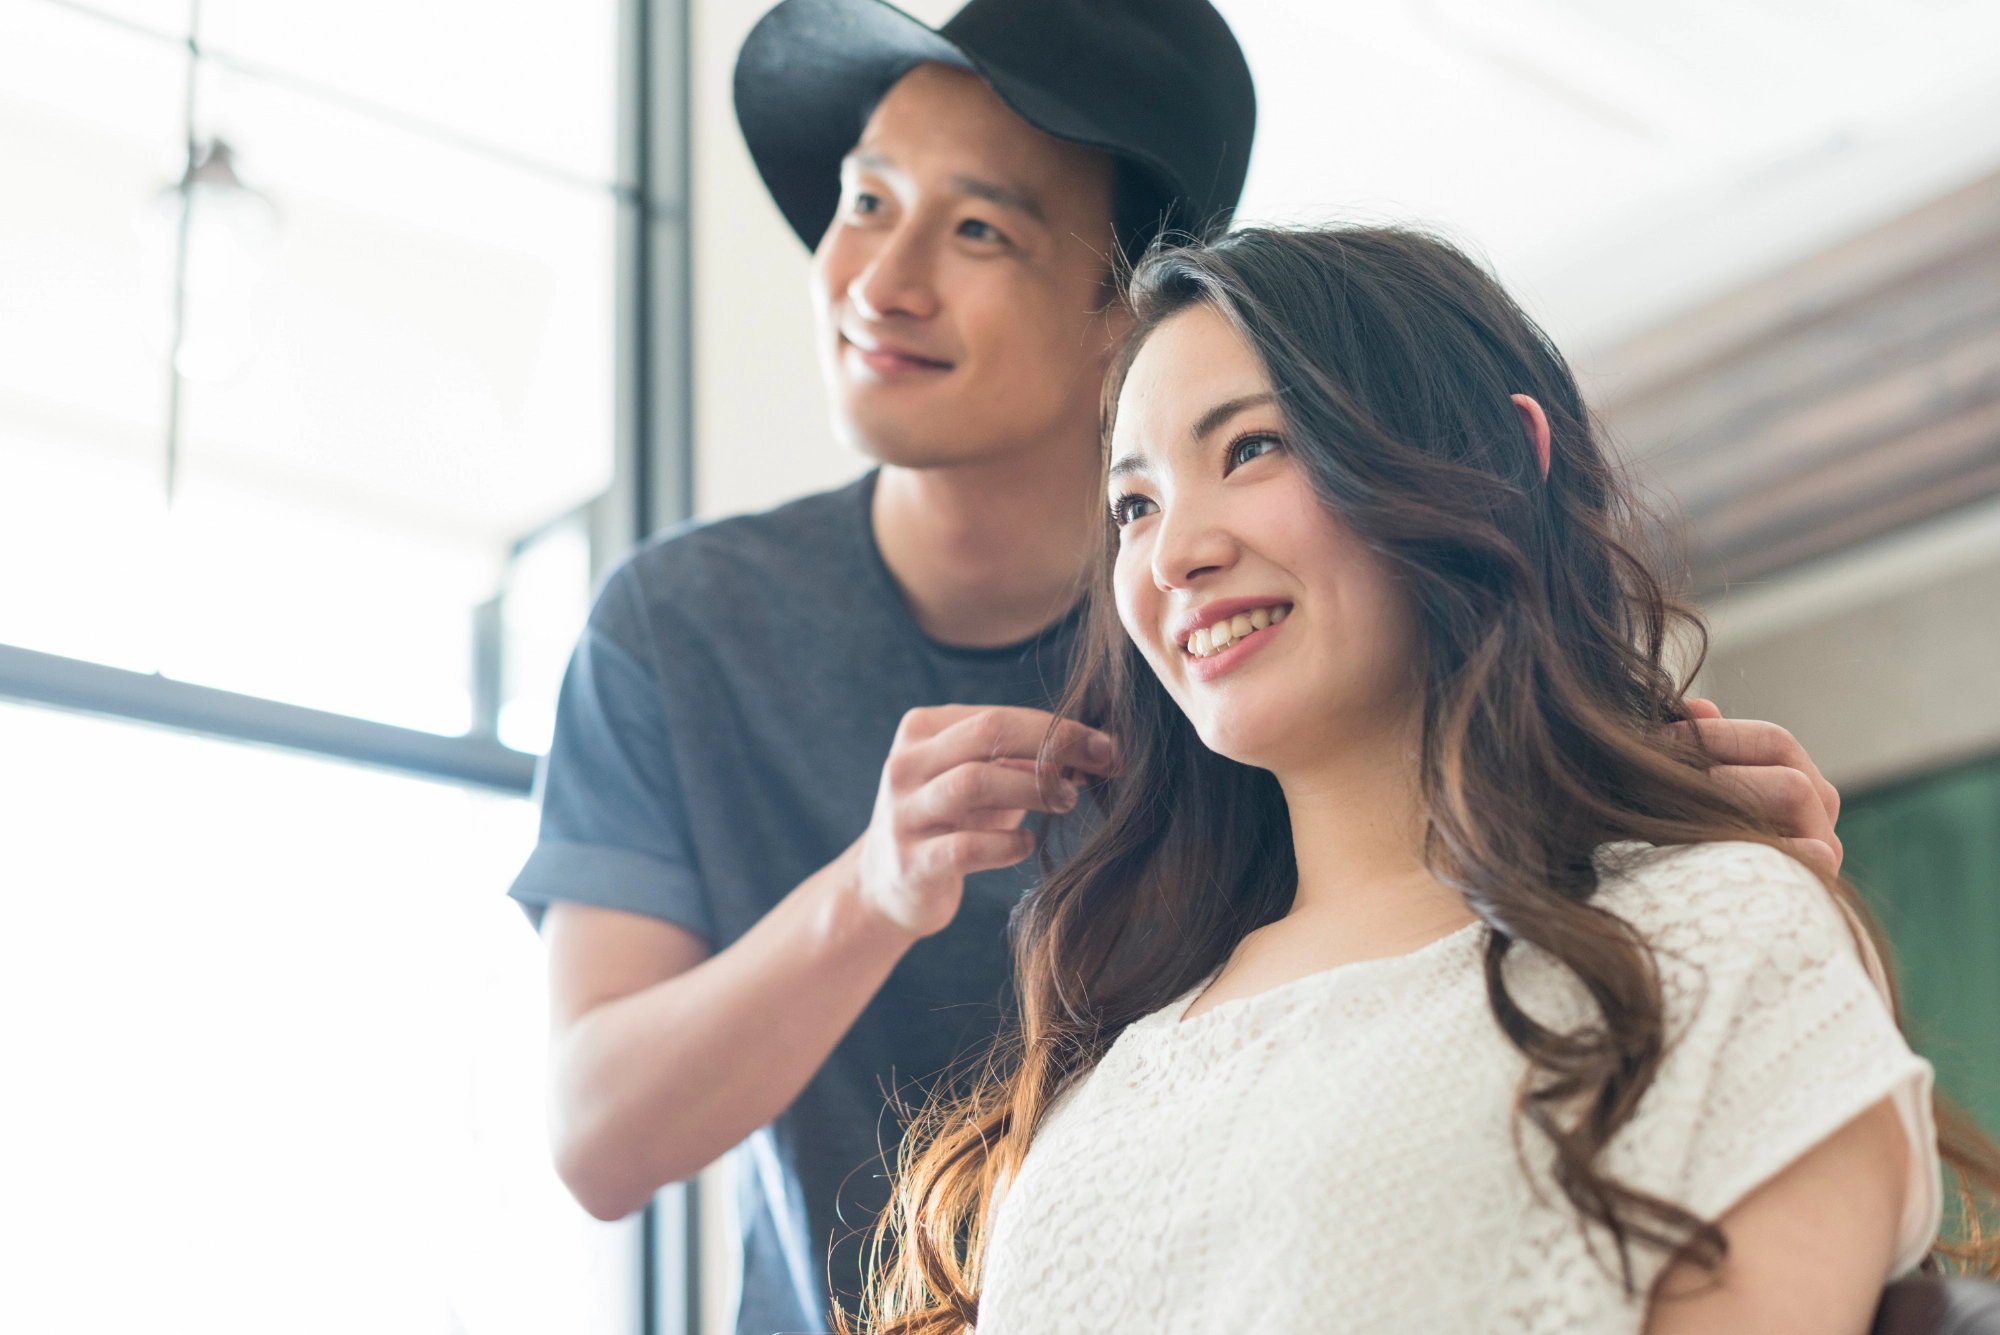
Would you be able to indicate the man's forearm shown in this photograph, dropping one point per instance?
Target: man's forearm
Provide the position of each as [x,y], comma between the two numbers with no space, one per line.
[654,1085]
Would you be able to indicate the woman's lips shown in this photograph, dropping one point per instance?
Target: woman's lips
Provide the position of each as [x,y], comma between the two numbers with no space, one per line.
[1219,625]
[1208,663]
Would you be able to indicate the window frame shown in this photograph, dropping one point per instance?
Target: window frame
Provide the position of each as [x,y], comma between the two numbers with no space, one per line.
[653,470]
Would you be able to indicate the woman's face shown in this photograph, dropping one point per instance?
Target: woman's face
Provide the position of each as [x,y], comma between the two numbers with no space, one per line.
[1283,636]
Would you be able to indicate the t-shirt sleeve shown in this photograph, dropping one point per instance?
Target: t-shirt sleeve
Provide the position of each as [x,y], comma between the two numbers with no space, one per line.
[1790,1039]
[614,828]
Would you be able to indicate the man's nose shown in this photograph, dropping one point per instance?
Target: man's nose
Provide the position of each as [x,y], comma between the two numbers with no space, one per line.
[897,280]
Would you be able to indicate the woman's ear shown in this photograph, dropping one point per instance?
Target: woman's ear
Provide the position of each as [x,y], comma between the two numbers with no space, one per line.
[1536,423]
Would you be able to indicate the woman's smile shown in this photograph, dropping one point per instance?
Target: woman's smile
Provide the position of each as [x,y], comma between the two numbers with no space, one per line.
[1219,636]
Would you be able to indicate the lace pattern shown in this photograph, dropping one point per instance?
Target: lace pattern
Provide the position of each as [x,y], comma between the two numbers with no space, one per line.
[1339,1152]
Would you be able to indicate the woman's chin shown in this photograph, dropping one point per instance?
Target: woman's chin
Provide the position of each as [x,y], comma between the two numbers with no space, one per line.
[1257,742]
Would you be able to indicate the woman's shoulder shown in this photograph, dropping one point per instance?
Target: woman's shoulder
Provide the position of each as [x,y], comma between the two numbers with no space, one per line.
[1779,1022]
[1719,901]
[1731,862]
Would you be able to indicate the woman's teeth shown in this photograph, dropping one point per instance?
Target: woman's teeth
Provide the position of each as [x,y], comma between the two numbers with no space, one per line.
[1211,640]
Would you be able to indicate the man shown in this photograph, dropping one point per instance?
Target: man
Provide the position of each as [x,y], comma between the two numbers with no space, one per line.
[782,814]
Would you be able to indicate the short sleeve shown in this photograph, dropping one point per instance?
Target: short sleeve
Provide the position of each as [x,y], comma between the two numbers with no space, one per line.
[1784,1035]
[614,828]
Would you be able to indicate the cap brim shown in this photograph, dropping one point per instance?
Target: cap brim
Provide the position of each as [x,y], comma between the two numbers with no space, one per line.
[809,74]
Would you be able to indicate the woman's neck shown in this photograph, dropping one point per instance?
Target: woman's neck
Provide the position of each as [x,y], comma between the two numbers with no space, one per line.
[1364,890]
[1357,814]
[1358,836]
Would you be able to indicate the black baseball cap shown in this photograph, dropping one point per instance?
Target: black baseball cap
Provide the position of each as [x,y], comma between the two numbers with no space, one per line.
[1161,85]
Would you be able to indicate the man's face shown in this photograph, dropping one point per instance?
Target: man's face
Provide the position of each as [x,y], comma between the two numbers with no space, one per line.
[960,291]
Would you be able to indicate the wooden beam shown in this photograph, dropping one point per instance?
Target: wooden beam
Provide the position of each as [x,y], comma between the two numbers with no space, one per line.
[1850,394]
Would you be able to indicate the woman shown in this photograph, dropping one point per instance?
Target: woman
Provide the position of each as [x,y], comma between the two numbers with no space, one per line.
[1415,975]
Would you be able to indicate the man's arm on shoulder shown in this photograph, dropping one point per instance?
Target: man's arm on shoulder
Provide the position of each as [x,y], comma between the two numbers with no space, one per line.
[1768,769]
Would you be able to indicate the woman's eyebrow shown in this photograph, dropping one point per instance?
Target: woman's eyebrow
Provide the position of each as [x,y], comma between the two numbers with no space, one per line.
[1129,464]
[1227,409]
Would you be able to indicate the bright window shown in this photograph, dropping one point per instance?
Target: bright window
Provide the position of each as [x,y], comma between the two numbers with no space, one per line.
[307,392]
[393,331]
[275,1051]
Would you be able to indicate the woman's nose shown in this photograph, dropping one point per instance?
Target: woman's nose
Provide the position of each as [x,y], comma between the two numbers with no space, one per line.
[1189,547]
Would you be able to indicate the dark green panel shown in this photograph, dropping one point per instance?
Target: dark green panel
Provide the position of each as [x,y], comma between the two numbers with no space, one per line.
[1926,854]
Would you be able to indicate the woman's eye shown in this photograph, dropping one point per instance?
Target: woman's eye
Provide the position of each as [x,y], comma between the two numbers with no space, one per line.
[1249,447]
[1128,508]
[974,229]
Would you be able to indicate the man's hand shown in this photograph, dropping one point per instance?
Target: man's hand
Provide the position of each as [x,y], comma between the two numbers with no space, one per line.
[666,1055]
[959,781]
[1769,770]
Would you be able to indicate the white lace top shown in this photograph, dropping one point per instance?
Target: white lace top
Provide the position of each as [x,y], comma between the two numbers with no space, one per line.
[1338,1153]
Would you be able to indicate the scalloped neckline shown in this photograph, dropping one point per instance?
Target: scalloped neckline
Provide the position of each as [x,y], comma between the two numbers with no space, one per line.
[1174,1011]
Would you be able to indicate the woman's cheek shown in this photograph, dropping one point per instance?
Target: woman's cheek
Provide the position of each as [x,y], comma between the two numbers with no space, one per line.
[1138,610]
[1293,527]
[1124,589]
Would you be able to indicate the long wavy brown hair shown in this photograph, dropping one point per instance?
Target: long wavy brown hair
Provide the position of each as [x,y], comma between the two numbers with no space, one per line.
[1547,643]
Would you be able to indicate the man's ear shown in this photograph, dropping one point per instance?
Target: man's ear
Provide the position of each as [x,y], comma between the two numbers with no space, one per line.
[1536,423]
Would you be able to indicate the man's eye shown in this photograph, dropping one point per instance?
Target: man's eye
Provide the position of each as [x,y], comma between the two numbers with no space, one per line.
[867,203]
[1130,507]
[1249,447]
[973,229]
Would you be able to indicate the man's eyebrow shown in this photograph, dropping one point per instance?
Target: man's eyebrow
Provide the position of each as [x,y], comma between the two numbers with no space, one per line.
[993,192]
[1227,409]
[1006,196]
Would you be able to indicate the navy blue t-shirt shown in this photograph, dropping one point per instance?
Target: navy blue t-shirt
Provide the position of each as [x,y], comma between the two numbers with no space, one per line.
[720,737]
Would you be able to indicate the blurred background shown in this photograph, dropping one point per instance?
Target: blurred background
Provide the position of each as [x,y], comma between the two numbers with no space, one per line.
[342,348]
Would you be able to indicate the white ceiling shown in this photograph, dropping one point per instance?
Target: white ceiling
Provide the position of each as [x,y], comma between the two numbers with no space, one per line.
[1615,161]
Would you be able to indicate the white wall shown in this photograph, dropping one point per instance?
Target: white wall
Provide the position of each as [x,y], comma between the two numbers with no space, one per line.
[1883,660]
[760,424]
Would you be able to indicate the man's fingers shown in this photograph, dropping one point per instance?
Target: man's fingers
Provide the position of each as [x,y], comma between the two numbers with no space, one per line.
[1767,768]
[922,724]
[1815,854]
[995,819]
[1001,733]
[1755,743]
[1749,741]
[966,851]
[979,786]
[1076,747]
[1785,797]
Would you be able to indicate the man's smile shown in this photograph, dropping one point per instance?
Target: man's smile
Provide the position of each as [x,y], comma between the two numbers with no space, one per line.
[886,358]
